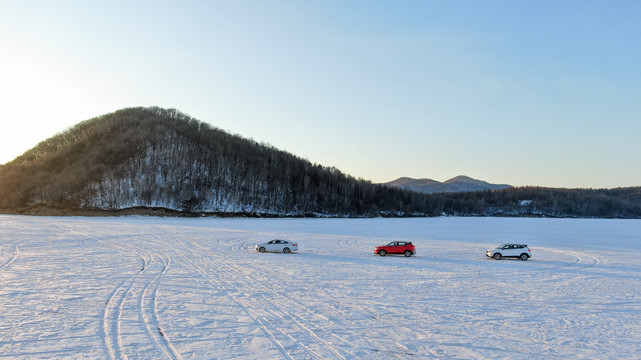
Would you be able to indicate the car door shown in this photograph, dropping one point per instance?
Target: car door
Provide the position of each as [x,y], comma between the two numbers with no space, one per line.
[283,244]
[511,251]
[272,245]
[518,250]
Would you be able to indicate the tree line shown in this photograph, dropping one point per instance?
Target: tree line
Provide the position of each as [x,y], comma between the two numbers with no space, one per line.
[541,201]
[162,158]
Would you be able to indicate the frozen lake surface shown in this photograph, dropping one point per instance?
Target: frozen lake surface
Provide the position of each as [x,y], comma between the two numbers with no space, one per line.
[166,288]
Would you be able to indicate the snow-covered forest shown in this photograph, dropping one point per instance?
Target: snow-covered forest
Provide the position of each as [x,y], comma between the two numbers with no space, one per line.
[157,158]
[153,157]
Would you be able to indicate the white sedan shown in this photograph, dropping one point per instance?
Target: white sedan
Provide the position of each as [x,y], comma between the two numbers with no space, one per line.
[277,246]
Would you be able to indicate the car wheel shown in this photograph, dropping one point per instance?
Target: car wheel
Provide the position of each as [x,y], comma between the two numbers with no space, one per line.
[261,249]
[286,250]
[496,256]
[524,256]
[408,253]
[382,252]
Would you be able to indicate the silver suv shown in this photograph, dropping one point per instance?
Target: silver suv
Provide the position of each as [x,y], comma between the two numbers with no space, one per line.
[518,251]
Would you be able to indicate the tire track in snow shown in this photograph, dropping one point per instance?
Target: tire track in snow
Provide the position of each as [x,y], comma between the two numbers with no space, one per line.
[583,260]
[14,255]
[192,257]
[580,262]
[115,306]
[112,315]
[148,311]
[110,318]
[142,285]
[554,259]
[279,303]
[304,314]
[308,321]
[349,243]
[562,269]
[366,318]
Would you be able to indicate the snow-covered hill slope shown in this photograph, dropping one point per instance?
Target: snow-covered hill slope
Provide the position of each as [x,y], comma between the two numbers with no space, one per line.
[159,288]
[142,159]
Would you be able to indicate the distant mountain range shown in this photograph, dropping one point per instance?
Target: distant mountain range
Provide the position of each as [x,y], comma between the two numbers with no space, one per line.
[460,183]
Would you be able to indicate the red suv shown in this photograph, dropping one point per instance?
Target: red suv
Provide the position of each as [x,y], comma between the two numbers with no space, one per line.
[396,247]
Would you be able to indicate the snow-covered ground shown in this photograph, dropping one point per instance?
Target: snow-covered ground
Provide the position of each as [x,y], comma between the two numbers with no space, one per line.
[154,288]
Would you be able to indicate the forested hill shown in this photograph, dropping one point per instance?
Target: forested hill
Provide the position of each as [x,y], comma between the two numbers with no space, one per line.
[539,201]
[158,158]
[153,160]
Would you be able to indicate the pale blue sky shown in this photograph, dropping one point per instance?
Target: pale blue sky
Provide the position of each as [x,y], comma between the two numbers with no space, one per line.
[539,92]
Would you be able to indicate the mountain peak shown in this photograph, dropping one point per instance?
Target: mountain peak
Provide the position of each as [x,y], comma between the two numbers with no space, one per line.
[461,183]
[462,178]
[405,181]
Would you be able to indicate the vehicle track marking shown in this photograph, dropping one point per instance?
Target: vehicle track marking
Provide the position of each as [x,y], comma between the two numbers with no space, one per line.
[278,304]
[260,323]
[580,262]
[14,256]
[111,323]
[299,320]
[293,316]
[146,307]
